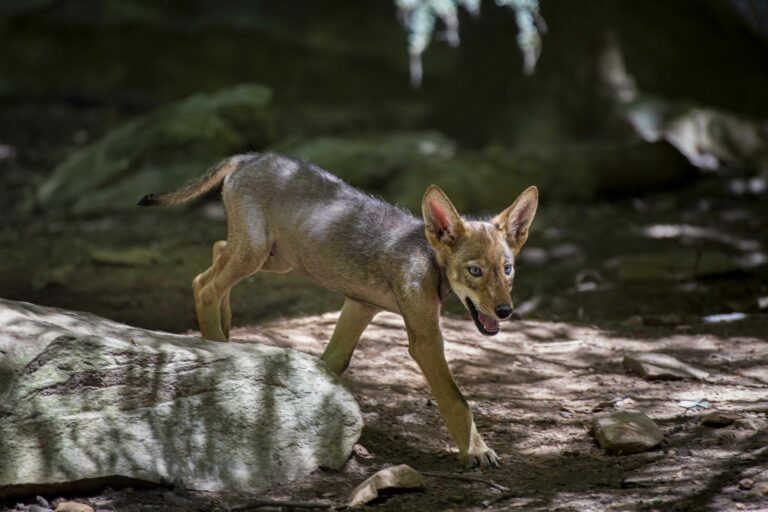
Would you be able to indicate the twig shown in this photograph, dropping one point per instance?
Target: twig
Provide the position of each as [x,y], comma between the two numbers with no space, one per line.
[104,499]
[469,478]
[277,503]
[501,497]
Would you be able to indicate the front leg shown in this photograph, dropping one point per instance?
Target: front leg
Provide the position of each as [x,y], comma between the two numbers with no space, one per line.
[353,320]
[425,344]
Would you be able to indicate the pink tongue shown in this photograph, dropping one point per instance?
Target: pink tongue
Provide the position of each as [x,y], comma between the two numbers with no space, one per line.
[490,324]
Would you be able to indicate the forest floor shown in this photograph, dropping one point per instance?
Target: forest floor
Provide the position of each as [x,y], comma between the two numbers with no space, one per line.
[595,282]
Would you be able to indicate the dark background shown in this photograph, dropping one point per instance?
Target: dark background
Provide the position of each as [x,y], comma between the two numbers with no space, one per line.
[73,73]
[643,125]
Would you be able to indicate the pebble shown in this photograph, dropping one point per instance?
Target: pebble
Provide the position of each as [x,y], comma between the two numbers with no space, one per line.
[362,452]
[746,484]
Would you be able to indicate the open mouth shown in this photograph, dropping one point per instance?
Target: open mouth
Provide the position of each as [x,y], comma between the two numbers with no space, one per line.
[485,324]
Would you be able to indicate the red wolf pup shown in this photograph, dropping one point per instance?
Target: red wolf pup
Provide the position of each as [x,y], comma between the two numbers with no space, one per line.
[286,214]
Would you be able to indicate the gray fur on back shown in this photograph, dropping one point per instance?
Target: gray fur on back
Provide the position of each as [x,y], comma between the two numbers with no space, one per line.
[346,240]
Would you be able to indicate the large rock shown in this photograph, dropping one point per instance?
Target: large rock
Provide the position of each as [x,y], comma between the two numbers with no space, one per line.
[161,150]
[84,399]
[400,166]
[370,161]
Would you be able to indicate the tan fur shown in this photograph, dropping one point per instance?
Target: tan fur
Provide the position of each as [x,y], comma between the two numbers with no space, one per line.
[286,214]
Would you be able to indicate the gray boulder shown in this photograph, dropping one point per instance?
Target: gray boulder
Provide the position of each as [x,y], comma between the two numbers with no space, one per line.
[83,398]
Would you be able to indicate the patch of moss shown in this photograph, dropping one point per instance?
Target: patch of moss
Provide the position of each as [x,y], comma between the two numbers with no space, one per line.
[161,150]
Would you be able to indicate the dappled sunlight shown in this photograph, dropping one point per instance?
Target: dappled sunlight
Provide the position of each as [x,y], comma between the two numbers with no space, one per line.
[534,389]
[103,399]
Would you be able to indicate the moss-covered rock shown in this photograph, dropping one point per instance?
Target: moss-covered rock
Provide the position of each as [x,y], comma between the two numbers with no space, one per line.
[372,162]
[161,150]
[400,166]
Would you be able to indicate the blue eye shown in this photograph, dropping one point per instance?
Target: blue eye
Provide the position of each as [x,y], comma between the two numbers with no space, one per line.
[507,269]
[475,271]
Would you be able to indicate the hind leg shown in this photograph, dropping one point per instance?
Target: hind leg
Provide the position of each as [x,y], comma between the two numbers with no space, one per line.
[233,261]
[225,311]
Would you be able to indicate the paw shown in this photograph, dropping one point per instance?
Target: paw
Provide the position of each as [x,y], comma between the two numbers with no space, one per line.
[485,458]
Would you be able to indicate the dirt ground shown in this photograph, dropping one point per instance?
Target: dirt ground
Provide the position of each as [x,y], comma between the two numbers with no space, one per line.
[595,282]
[534,388]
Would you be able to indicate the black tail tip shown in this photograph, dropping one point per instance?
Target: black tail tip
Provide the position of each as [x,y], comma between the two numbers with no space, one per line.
[148,200]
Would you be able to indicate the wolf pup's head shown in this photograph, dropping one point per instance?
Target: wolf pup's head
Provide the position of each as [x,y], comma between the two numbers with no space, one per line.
[479,256]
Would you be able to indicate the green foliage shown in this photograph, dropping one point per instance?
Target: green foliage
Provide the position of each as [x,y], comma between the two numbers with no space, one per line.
[419,18]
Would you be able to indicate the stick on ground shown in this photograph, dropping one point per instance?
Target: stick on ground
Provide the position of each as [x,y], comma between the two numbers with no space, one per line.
[469,478]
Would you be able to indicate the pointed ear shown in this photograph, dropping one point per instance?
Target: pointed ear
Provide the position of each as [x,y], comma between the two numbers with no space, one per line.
[515,220]
[442,222]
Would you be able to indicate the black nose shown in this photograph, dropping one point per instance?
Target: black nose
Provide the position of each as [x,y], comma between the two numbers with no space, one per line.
[503,311]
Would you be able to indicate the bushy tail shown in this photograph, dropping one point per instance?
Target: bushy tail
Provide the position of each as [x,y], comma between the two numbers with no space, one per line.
[201,185]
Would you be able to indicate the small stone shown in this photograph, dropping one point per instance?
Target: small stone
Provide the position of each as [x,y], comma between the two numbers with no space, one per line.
[402,478]
[73,506]
[746,484]
[412,418]
[760,489]
[626,432]
[501,429]
[42,502]
[362,452]
[718,419]
[655,366]
[748,424]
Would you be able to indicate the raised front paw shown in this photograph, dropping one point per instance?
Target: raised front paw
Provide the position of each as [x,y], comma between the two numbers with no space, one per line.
[482,458]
